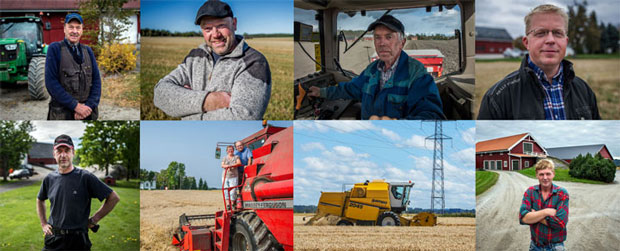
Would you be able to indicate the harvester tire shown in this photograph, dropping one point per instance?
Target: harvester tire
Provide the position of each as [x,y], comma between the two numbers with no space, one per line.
[36,78]
[250,233]
[388,218]
[344,223]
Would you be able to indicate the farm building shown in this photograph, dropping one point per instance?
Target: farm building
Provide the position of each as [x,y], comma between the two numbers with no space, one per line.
[570,152]
[148,185]
[52,14]
[492,40]
[508,153]
[41,154]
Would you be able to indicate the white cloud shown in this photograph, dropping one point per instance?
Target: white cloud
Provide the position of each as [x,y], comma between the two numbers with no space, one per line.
[47,131]
[390,134]
[344,126]
[312,146]
[418,141]
[466,156]
[469,136]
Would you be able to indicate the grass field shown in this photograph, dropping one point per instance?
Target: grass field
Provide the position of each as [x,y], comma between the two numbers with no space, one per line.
[602,76]
[451,233]
[122,89]
[20,228]
[161,55]
[485,180]
[560,175]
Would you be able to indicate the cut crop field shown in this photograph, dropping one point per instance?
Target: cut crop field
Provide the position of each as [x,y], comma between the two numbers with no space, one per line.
[602,76]
[160,211]
[161,55]
[451,233]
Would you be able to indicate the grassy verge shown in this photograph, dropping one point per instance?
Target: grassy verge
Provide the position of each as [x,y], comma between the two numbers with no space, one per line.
[122,89]
[485,180]
[560,175]
[161,55]
[20,228]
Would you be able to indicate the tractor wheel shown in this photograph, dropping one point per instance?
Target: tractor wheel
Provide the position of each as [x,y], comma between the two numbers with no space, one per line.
[36,78]
[250,233]
[388,218]
[344,223]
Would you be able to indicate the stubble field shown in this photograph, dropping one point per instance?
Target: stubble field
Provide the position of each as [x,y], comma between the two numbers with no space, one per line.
[160,211]
[451,233]
[161,55]
[602,76]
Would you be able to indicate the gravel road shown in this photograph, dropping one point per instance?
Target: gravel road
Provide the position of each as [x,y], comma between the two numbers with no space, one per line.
[594,215]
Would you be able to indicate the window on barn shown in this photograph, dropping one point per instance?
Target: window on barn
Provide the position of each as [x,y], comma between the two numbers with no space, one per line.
[527,148]
[498,164]
[486,165]
[527,164]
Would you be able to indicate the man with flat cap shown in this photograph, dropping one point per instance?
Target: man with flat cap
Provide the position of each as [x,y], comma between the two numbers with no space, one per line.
[223,79]
[72,76]
[394,87]
[70,190]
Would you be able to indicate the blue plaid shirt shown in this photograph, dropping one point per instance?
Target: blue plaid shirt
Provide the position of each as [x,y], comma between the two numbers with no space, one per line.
[553,102]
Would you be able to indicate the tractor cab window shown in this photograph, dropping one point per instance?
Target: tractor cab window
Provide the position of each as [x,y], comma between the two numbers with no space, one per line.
[28,31]
[256,144]
[430,37]
[304,63]
[397,192]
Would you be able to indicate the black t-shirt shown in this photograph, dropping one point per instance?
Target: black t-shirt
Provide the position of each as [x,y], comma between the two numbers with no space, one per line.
[70,195]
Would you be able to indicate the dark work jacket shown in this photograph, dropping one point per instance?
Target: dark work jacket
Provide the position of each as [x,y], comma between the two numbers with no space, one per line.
[76,79]
[520,95]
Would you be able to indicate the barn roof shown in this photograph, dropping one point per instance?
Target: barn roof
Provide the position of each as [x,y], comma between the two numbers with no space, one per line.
[499,144]
[51,5]
[41,151]
[570,152]
[492,34]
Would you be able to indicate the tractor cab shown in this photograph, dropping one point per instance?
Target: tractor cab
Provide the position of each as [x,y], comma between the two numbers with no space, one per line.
[399,195]
[15,31]
[333,46]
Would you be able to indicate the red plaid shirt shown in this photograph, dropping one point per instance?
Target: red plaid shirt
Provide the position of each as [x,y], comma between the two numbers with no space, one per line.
[556,231]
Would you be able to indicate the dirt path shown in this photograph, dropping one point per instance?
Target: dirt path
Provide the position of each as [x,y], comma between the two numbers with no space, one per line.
[594,214]
[15,104]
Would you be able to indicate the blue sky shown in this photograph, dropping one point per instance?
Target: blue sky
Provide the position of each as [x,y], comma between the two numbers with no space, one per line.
[270,16]
[192,143]
[415,20]
[331,153]
[556,133]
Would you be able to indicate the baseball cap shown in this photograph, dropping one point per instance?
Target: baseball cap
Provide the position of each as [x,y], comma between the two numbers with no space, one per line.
[389,21]
[213,8]
[63,140]
[72,16]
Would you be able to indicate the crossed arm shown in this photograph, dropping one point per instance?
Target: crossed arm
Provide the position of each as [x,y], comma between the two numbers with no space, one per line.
[555,218]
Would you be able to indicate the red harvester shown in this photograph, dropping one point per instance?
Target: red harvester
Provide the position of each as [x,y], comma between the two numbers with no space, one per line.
[262,219]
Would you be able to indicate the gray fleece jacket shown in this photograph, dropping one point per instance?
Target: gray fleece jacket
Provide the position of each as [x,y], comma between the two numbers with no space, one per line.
[244,73]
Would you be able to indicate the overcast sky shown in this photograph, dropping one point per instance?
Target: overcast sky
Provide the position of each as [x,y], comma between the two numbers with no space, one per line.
[556,133]
[509,14]
[329,154]
[47,131]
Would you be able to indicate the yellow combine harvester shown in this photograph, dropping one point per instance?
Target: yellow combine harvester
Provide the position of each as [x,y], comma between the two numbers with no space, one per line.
[372,203]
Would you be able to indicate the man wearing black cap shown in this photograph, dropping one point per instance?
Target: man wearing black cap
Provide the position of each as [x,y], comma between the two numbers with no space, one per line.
[223,79]
[70,190]
[394,87]
[72,76]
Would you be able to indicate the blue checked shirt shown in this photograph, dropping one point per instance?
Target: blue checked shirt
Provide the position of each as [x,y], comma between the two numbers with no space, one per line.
[553,102]
[387,74]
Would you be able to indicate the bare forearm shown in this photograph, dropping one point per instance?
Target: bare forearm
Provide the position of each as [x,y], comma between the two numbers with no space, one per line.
[534,217]
[41,212]
[107,207]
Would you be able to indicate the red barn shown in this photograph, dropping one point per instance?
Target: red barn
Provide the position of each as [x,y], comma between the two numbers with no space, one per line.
[41,154]
[510,153]
[492,40]
[52,14]
[568,153]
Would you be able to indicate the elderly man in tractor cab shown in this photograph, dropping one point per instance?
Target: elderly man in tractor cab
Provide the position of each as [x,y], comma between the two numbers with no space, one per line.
[71,76]
[394,87]
[223,79]
[545,86]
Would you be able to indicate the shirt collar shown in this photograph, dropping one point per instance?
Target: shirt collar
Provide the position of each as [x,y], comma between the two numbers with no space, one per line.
[554,188]
[540,74]
[392,68]
[72,44]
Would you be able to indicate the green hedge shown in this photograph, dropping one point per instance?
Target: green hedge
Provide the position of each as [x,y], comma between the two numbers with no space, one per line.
[594,168]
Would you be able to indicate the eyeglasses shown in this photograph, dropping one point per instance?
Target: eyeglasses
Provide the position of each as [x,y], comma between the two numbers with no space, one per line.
[540,33]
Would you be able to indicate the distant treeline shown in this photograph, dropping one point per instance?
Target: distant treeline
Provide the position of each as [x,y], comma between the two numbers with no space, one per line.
[451,212]
[353,34]
[166,33]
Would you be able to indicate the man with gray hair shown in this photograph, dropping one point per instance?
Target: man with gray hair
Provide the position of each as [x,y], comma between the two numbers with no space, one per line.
[394,87]
[545,86]
[223,79]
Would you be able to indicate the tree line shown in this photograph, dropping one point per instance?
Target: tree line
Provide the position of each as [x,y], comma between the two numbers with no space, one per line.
[173,178]
[166,33]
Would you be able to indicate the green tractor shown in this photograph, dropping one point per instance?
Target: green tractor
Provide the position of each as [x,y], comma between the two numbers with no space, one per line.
[22,54]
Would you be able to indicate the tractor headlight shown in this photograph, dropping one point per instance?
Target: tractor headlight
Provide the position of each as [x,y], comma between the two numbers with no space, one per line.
[10,47]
